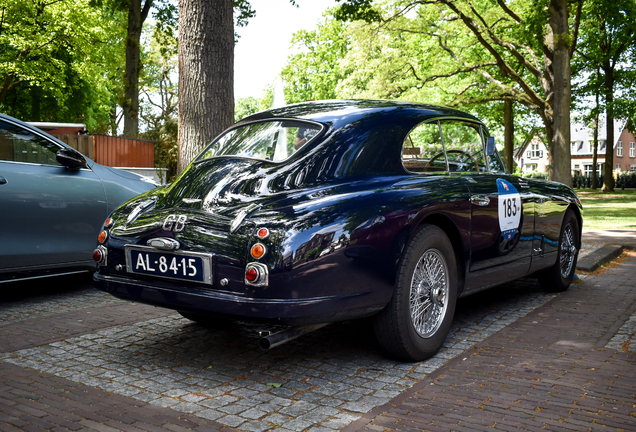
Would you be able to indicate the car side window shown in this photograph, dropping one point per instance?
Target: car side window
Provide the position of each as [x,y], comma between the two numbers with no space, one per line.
[422,150]
[21,145]
[464,146]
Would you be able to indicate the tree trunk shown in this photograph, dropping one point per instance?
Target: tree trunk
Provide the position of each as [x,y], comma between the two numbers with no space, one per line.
[130,105]
[595,154]
[206,73]
[560,169]
[509,133]
[608,172]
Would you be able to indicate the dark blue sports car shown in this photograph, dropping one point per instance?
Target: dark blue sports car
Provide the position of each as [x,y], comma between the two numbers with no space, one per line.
[328,211]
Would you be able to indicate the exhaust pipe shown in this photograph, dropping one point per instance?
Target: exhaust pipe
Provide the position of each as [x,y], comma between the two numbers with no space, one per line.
[273,340]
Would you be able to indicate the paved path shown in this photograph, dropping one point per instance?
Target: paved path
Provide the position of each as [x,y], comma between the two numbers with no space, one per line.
[568,365]
[515,358]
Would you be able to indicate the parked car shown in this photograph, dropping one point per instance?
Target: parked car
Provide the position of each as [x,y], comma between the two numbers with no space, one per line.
[54,202]
[334,210]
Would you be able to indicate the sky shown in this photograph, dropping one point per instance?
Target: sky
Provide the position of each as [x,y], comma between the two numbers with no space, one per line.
[264,44]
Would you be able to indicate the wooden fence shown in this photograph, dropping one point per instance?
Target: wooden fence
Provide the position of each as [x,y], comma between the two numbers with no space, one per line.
[123,152]
[113,151]
[81,143]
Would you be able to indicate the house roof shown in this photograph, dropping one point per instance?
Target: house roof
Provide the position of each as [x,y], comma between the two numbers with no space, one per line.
[583,135]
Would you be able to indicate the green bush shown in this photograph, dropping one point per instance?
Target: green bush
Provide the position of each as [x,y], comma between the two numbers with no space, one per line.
[537,175]
[626,180]
[585,182]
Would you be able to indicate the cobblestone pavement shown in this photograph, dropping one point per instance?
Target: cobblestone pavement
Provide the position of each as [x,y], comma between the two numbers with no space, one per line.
[323,381]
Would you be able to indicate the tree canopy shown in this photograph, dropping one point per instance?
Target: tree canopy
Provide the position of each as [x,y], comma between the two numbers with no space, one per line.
[463,52]
[58,59]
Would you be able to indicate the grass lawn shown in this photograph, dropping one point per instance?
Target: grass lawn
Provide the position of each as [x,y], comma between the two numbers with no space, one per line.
[616,210]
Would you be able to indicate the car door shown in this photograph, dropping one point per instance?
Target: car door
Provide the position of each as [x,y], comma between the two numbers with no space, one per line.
[502,215]
[51,214]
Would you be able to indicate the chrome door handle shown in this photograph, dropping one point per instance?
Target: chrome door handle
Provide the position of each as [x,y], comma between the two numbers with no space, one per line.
[480,200]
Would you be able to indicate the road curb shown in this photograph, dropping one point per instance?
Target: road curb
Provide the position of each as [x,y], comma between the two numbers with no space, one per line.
[604,254]
[595,259]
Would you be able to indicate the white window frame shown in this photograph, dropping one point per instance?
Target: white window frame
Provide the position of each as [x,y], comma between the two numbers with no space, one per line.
[619,149]
[535,152]
[632,149]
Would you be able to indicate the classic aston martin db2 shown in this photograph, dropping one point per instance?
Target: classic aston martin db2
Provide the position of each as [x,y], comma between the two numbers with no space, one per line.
[327,211]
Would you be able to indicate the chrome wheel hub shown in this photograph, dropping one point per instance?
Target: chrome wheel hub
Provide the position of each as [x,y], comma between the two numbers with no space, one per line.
[567,252]
[429,293]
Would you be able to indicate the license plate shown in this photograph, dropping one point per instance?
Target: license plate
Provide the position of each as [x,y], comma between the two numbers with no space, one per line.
[185,266]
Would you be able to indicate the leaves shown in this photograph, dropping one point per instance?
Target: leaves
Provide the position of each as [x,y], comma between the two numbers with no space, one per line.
[62,52]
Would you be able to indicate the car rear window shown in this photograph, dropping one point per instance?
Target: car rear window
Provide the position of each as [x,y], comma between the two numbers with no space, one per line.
[269,140]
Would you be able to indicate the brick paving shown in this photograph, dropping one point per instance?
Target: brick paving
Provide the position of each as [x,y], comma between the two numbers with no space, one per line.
[569,365]
[516,358]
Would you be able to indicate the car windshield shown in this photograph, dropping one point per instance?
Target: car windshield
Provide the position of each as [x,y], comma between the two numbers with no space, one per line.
[270,140]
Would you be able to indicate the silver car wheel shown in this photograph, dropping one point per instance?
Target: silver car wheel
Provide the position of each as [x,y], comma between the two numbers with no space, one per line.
[429,294]
[567,252]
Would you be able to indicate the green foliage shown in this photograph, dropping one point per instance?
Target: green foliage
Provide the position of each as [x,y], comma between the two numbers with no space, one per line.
[159,95]
[57,60]
[250,105]
[606,54]
[245,107]
[580,181]
[537,175]
[354,10]
[626,180]
[407,57]
[314,72]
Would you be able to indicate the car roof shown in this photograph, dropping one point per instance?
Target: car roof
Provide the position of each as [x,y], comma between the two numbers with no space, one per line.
[361,136]
[339,112]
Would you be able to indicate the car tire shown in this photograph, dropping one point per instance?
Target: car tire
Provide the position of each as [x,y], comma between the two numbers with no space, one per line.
[559,277]
[210,321]
[414,325]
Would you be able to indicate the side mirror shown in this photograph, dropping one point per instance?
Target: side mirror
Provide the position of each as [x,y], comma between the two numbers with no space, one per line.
[71,159]
[490,146]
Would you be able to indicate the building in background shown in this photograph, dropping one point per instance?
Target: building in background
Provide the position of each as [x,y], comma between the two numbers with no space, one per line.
[533,155]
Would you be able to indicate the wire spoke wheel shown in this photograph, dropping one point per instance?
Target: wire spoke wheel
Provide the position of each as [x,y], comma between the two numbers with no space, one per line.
[428,299]
[567,251]
[414,325]
[558,277]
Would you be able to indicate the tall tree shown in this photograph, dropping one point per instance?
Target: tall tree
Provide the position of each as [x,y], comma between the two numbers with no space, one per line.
[518,50]
[206,73]
[608,44]
[137,14]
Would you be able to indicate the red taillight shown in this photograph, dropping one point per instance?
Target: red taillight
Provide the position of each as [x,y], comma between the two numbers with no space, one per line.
[256,274]
[98,255]
[252,274]
[263,233]
[101,238]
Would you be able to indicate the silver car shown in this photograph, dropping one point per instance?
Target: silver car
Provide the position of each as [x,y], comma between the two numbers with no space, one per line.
[53,202]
